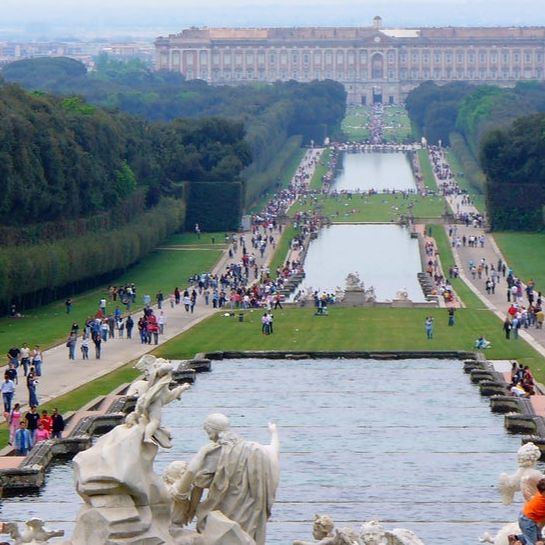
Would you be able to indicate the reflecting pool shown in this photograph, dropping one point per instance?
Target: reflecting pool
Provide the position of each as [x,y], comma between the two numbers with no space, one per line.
[409,442]
[378,171]
[385,256]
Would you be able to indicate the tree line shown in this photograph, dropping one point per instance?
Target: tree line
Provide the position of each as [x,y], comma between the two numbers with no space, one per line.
[493,132]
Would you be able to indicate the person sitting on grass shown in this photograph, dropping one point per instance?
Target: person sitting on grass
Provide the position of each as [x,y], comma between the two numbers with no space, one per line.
[481,343]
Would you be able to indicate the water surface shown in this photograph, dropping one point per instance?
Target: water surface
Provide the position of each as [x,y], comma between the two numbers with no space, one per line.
[378,171]
[409,442]
[384,256]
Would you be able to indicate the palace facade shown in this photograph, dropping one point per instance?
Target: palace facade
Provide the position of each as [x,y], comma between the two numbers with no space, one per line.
[375,64]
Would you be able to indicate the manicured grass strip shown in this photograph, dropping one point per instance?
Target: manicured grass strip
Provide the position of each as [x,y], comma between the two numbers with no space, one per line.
[465,294]
[355,124]
[525,254]
[371,208]
[320,170]
[77,398]
[352,329]
[426,169]
[192,239]
[282,248]
[161,270]
[478,199]
[397,125]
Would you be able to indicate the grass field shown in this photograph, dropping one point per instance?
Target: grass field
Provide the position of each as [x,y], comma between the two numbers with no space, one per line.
[427,171]
[192,239]
[320,170]
[525,253]
[355,123]
[397,125]
[161,270]
[371,208]
[352,329]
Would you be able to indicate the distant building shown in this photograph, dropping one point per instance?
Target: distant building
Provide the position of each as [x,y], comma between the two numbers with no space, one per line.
[375,64]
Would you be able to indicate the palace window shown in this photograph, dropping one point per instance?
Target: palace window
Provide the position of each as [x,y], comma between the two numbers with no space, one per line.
[189,59]
[295,57]
[527,56]
[305,59]
[340,57]
[471,58]
[415,56]
[460,57]
[261,58]
[448,57]
[317,58]
[403,57]
[272,58]
[238,58]
[363,56]
[249,58]
[227,58]
[328,57]
[516,56]
[203,57]
[350,57]
[426,57]
[437,57]
[505,56]
[391,57]
[482,56]
[215,58]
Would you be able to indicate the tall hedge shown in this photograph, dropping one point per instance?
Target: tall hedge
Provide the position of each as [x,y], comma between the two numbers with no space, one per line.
[32,275]
[215,206]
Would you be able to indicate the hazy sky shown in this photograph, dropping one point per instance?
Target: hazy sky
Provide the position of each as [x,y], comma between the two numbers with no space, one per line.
[99,17]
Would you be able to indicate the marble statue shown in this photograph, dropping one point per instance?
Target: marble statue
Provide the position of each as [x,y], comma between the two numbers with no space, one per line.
[402,295]
[33,533]
[370,533]
[148,365]
[353,282]
[241,478]
[369,295]
[373,533]
[124,500]
[322,531]
[525,478]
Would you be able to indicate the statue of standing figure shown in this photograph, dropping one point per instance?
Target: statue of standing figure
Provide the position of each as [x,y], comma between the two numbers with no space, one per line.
[241,478]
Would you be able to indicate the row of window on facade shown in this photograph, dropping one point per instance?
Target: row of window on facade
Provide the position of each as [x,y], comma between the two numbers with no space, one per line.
[404,75]
[469,56]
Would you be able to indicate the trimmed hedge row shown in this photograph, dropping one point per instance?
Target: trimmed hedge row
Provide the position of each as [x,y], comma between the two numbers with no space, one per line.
[260,181]
[133,205]
[472,171]
[32,275]
[215,206]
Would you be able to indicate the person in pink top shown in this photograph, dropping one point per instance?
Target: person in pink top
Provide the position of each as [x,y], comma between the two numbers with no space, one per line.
[14,419]
[42,434]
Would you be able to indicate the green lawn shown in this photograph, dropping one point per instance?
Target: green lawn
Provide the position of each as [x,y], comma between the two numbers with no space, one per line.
[478,199]
[161,270]
[397,125]
[371,208]
[282,248]
[525,253]
[352,329]
[427,171]
[192,239]
[355,123]
[320,170]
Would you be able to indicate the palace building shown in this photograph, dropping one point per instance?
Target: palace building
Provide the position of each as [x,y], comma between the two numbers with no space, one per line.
[375,64]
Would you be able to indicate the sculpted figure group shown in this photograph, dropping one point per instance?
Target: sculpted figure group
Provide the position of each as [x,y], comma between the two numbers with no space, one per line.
[370,533]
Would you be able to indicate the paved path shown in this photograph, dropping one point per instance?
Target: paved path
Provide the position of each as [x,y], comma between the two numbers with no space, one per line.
[61,375]
[496,302]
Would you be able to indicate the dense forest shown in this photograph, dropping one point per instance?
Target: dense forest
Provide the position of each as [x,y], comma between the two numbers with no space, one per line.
[136,154]
[473,120]
[272,115]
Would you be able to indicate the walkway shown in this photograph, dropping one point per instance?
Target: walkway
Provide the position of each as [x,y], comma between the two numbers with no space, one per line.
[491,254]
[61,375]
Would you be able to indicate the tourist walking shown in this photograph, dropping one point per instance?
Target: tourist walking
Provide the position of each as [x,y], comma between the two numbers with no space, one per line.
[32,385]
[97,340]
[428,324]
[37,360]
[84,347]
[31,420]
[129,324]
[14,420]
[71,344]
[57,424]
[25,357]
[451,317]
[8,391]
[23,440]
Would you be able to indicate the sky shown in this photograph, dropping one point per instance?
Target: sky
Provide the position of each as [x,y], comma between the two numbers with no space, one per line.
[96,18]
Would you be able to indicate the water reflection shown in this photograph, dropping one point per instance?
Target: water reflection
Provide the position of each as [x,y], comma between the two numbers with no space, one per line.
[378,171]
[385,256]
[409,442]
